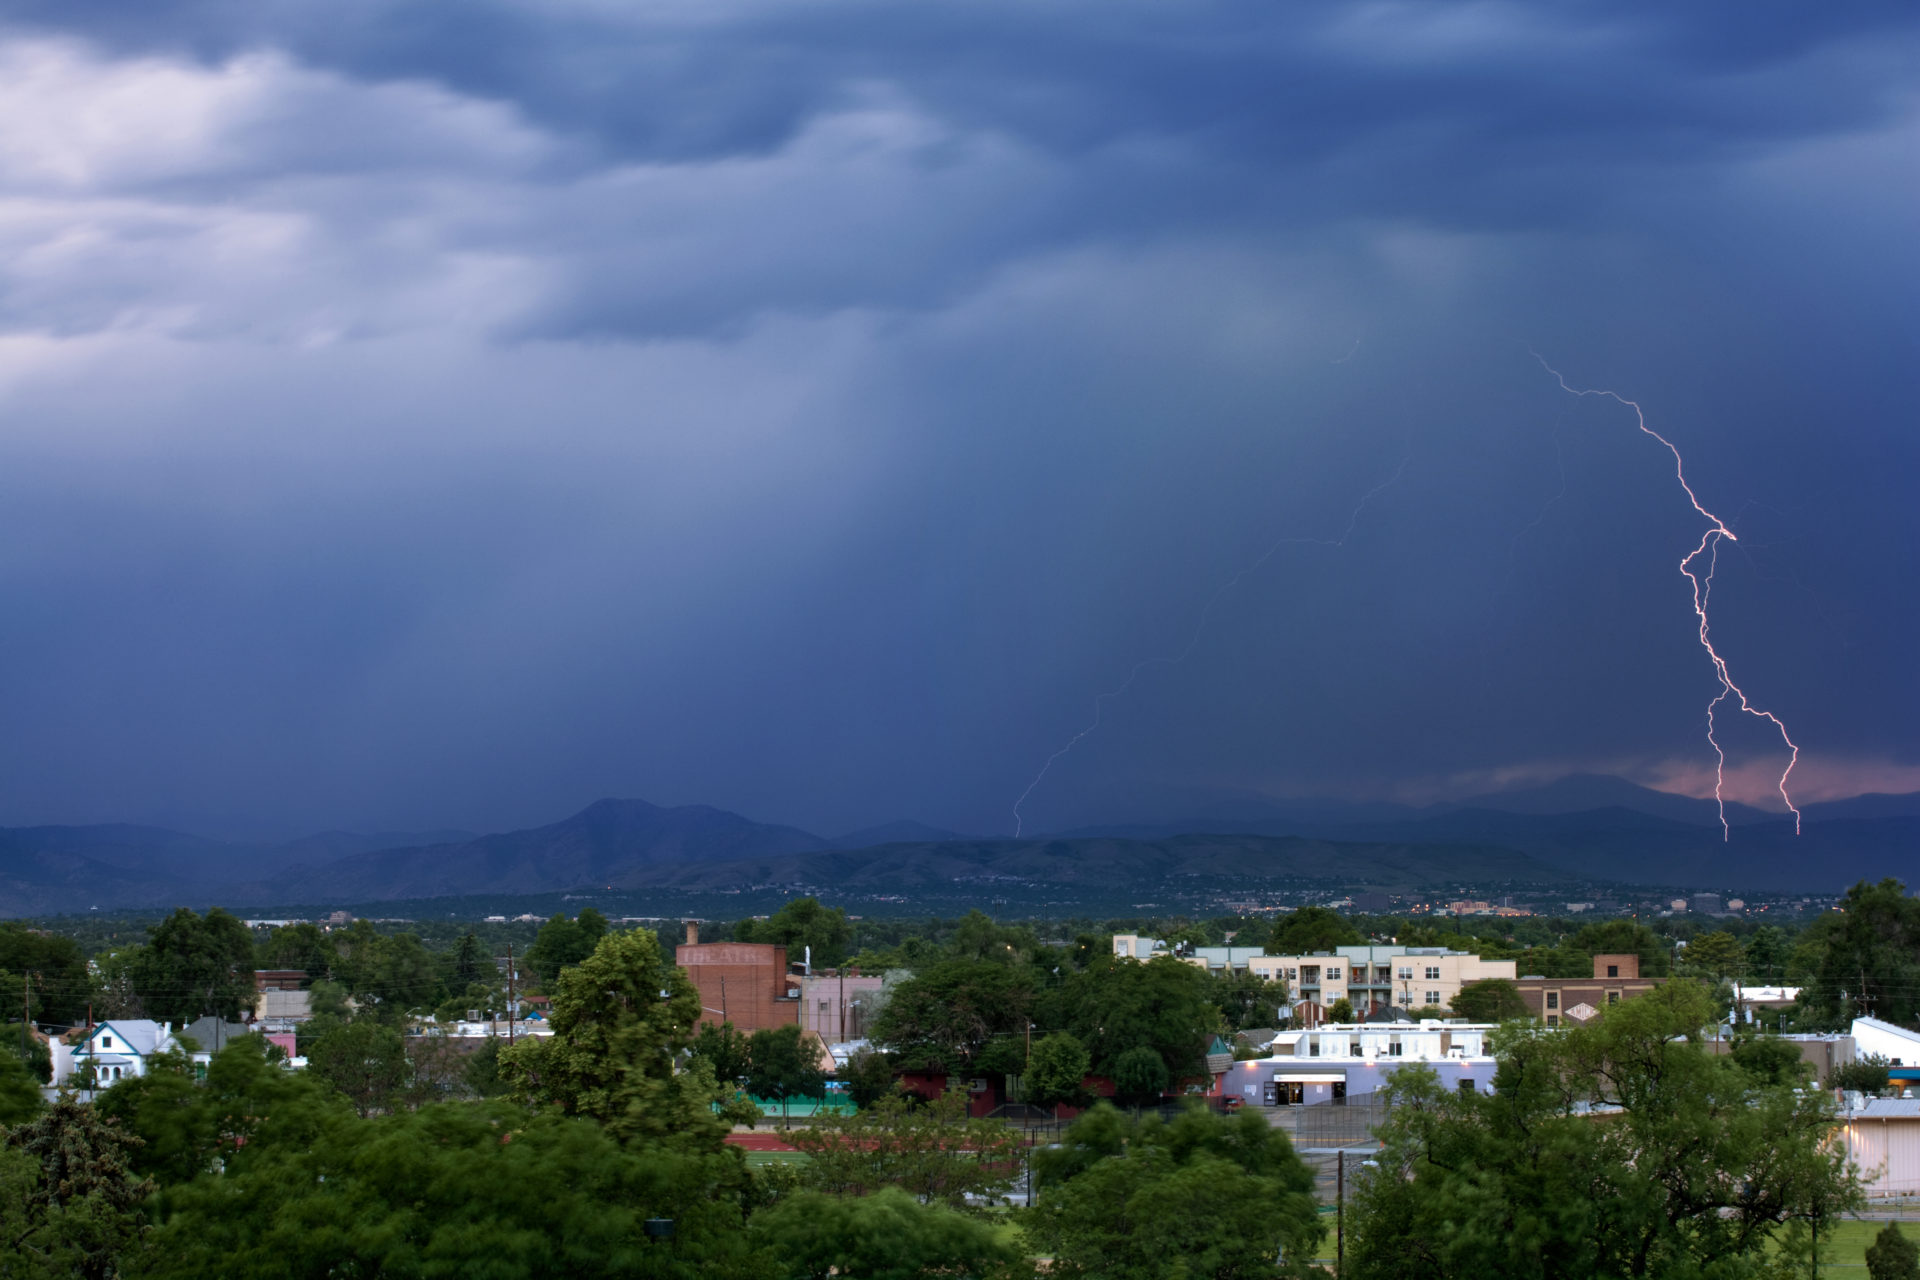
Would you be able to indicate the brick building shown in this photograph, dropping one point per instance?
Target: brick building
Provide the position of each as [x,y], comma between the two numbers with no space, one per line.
[745,983]
[1559,1001]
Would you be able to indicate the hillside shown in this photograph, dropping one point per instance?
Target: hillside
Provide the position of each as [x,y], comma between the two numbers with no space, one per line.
[612,843]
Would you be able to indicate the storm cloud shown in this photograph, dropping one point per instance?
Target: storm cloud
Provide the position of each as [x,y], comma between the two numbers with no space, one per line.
[447,415]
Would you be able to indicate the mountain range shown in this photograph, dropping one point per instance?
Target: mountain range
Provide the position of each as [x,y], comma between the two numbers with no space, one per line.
[1579,829]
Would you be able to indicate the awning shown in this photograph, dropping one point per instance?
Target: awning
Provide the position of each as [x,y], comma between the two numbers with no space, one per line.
[1311,1077]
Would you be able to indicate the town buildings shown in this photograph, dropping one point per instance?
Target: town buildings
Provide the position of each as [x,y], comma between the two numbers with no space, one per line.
[1616,977]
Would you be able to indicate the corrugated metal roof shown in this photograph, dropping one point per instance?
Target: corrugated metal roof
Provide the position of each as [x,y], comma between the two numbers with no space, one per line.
[1889,1109]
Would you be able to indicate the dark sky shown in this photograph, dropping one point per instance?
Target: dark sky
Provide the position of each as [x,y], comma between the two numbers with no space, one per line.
[447,414]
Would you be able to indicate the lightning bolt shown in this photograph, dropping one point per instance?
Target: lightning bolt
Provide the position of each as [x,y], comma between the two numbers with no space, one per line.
[1199,628]
[1702,585]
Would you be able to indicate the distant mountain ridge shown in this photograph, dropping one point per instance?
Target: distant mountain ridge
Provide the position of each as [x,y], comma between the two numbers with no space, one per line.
[1647,837]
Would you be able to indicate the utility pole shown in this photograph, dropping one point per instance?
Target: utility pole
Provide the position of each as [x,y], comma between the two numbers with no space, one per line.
[843,1004]
[26,1016]
[1340,1212]
[723,999]
[510,977]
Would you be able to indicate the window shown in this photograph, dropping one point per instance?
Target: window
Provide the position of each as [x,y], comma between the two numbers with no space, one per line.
[1466,1086]
[106,1042]
[1333,975]
[1613,997]
[1406,971]
[1406,997]
[1433,973]
[1433,997]
[1313,1046]
[1292,974]
[1553,1019]
[1613,971]
[1394,1048]
[1553,999]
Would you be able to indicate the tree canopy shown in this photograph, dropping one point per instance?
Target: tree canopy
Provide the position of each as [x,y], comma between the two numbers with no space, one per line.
[1201,1196]
[1687,1164]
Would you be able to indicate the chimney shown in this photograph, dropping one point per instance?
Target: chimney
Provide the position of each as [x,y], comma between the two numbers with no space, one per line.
[693,933]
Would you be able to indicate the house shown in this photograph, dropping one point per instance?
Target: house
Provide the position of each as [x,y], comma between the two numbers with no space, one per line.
[1370,976]
[1883,1138]
[116,1050]
[1560,1001]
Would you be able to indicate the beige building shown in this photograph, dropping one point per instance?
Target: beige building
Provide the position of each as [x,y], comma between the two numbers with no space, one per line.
[1369,977]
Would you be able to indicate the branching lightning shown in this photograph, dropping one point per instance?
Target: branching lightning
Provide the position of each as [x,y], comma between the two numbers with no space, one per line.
[1702,584]
[1199,628]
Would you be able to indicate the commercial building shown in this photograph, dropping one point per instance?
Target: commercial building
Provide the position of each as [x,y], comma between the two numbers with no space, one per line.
[745,983]
[1349,1060]
[839,1005]
[1616,977]
[1883,1138]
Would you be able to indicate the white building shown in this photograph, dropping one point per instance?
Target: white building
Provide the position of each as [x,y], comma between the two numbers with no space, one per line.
[1327,1063]
[1899,1046]
[115,1050]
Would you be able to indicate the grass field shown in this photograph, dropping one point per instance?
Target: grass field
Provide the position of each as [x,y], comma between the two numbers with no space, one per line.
[1843,1249]
[757,1158]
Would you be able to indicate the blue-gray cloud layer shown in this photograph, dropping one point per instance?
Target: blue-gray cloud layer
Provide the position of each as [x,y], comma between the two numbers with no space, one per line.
[448,414]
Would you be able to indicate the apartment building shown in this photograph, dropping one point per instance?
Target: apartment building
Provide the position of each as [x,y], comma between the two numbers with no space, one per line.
[1370,977]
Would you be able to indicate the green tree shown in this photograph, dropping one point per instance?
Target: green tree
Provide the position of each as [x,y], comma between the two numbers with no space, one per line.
[1767,955]
[471,964]
[869,1077]
[70,1205]
[782,1063]
[1120,1005]
[620,1019]
[1203,1196]
[884,1236]
[457,1189]
[300,946]
[942,1018]
[482,1071]
[1696,1169]
[61,982]
[1865,957]
[1716,956]
[1866,1074]
[19,1091]
[1056,1073]
[1340,1010]
[1771,1060]
[194,965]
[801,924]
[1245,999]
[1311,929]
[249,1101]
[1140,1075]
[365,1060]
[562,943]
[1621,937]
[727,1051]
[932,1151]
[1490,1000]
[1892,1256]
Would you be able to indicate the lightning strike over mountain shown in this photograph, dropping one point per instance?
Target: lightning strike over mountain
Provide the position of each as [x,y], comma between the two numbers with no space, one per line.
[1702,584]
[1199,628]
